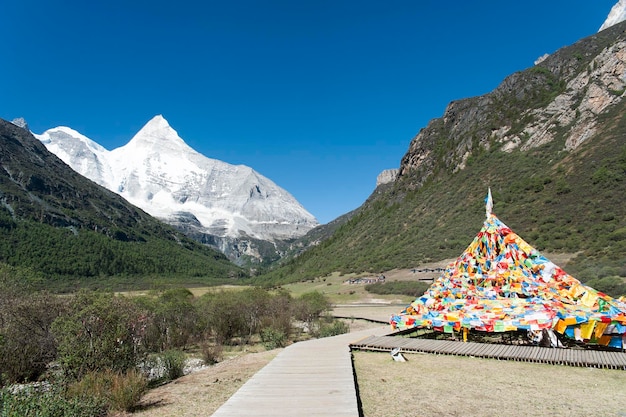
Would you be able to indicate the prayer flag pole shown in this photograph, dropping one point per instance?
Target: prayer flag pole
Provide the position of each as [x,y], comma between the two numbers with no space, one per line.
[489,203]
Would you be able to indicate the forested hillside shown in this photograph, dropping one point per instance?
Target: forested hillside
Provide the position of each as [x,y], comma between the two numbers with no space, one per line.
[69,232]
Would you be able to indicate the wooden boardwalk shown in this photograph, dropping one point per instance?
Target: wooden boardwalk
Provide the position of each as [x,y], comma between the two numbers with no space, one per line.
[316,378]
[570,357]
[313,378]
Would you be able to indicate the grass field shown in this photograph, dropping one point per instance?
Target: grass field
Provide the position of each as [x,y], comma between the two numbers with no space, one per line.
[441,385]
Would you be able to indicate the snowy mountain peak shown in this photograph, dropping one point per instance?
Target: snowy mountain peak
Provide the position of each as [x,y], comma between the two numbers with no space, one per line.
[616,15]
[78,151]
[63,135]
[158,172]
[158,133]
[158,127]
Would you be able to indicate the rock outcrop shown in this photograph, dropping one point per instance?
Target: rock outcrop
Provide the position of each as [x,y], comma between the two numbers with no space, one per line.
[561,97]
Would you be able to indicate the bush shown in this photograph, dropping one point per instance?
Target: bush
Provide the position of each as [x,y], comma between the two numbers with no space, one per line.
[278,313]
[174,320]
[310,306]
[332,328]
[49,403]
[119,392]
[273,338]
[612,285]
[173,362]
[225,315]
[232,314]
[26,343]
[101,331]
[211,354]
[165,366]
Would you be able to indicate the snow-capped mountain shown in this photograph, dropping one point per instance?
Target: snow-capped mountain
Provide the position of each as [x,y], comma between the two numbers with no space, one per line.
[158,172]
[81,153]
[616,15]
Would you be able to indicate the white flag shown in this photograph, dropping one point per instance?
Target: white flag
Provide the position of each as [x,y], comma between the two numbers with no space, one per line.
[488,203]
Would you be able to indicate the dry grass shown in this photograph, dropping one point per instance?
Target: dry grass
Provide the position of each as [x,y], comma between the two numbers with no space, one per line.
[437,385]
[201,393]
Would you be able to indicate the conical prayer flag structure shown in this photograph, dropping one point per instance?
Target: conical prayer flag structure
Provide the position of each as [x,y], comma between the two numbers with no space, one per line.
[500,283]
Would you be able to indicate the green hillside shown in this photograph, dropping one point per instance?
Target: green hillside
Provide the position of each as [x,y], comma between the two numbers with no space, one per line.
[568,204]
[556,199]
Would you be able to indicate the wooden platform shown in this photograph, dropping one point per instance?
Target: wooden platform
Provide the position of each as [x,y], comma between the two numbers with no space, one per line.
[570,357]
[316,378]
[313,378]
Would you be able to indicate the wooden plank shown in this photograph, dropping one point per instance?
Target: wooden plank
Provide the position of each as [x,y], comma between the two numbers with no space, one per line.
[514,352]
[593,358]
[566,356]
[502,352]
[520,355]
[465,349]
[620,360]
[542,354]
[570,357]
[577,354]
[495,352]
[606,360]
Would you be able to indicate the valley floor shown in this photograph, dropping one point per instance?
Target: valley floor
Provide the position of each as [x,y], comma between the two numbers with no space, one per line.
[426,385]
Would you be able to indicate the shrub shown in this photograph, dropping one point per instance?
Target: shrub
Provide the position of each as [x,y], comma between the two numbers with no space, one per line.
[26,343]
[332,328]
[278,313]
[101,331]
[231,314]
[49,403]
[611,285]
[127,390]
[118,391]
[273,338]
[174,321]
[211,354]
[310,306]
[165,366]
[173,362]
[225,315]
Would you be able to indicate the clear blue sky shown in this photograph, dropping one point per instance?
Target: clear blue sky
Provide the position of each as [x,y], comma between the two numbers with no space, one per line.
[319,96]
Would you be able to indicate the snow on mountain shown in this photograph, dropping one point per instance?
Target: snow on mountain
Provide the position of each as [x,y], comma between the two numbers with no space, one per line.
[616,15]
[158,172]
[79,152]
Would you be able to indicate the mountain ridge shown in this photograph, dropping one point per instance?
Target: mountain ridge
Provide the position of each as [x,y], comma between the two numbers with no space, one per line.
[157,171]
[562,189]
[69,231]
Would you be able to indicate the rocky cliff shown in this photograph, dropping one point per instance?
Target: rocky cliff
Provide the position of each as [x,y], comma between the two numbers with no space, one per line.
[560,97]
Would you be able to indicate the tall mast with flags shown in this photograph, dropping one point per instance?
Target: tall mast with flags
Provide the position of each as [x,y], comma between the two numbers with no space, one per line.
[488,203]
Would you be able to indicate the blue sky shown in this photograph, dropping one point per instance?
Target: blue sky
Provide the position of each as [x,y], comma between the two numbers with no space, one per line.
[319,96]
